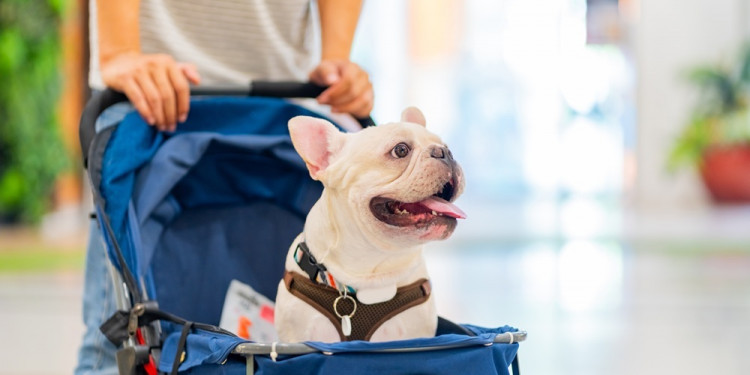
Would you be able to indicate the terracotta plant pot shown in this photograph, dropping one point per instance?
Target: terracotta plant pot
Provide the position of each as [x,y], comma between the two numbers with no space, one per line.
[726,173]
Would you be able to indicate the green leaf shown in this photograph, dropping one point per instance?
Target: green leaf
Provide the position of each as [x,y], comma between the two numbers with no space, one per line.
[718,89]
[12,51]
[57,6]
[744,65]
[11,188]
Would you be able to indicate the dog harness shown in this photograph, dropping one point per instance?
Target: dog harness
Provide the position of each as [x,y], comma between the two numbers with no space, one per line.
[353,319]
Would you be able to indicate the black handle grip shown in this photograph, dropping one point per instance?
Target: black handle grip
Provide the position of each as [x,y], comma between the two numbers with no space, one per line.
[269,89]
[272,89]
[286,89]
[102,100]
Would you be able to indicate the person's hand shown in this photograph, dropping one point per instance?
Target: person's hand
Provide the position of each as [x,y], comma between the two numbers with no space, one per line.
[349,91]
[156,85]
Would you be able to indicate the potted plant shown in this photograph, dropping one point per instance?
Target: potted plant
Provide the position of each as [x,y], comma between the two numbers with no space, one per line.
[716,139]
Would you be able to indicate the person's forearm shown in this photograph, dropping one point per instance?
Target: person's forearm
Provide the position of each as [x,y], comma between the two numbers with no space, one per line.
[338,22]
[118,31]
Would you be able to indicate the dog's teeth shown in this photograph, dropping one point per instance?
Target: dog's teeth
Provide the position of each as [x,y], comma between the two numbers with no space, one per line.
[434,213]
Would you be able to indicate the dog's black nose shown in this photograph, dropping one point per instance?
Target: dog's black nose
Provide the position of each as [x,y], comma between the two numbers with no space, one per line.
[439,152]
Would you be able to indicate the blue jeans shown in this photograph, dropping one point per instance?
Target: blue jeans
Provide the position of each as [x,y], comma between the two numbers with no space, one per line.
[96,356]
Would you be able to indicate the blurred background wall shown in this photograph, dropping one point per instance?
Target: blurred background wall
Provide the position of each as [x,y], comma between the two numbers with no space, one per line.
[558,108]
[550,103]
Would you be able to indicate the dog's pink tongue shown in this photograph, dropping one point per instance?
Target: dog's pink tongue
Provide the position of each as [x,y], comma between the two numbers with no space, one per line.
[444,207]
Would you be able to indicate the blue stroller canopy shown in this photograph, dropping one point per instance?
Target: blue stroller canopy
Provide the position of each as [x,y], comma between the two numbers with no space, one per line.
[220,199]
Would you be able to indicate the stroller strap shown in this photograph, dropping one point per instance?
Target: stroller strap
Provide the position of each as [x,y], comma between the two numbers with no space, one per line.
[368,318]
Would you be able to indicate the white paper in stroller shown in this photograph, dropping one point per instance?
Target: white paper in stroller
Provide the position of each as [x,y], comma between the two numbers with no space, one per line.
[248,314]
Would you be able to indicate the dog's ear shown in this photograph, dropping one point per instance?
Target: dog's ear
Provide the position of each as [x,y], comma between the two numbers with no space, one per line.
[414,115]
[316,140]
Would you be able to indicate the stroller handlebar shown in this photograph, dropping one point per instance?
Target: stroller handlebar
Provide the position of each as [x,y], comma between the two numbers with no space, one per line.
[102,100]
[269,89]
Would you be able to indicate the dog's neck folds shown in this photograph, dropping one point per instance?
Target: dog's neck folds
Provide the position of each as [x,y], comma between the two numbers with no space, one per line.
[354,259]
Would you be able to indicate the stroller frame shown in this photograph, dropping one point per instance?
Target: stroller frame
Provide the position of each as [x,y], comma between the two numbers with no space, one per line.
[130,293]
[248,350]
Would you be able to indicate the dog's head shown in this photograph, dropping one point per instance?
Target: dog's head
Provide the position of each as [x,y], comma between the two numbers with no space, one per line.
[396,181]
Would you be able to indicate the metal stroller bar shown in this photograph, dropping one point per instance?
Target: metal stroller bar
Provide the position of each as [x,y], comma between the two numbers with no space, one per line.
[300,348]
[249,350]
[127,275]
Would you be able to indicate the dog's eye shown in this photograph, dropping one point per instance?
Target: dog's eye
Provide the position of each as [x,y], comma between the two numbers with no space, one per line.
[400,151]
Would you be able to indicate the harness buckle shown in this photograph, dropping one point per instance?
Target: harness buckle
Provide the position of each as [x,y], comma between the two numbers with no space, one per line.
[308,263]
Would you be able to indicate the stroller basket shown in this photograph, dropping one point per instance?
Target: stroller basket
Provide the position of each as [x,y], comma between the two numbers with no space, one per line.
[183,214]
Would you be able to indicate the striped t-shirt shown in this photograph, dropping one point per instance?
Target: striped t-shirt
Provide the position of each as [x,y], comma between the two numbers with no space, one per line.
[230,41]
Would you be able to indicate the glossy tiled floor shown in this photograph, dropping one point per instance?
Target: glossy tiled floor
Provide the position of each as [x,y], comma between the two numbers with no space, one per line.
[606,308]
[590,307]
[40,323]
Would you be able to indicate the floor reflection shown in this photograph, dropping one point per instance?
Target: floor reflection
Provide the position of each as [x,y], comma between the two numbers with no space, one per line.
[590,306]
[603,307]
[40,323]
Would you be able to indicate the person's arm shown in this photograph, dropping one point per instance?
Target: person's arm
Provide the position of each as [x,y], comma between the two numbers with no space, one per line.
[350,89]
[338,22]
[155,84]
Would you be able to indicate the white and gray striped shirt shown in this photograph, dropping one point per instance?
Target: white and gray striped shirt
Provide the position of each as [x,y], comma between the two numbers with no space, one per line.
[230,41]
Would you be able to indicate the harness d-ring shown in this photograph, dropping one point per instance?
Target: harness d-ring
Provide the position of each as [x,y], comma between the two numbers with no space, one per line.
[336,303]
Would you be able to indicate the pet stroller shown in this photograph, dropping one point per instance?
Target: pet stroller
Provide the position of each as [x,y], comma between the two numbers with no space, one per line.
[221,198]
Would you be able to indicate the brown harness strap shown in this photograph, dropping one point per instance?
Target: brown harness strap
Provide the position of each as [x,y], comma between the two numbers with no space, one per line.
[367,318]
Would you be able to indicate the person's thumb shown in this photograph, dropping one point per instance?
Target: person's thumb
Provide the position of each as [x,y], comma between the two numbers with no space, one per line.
[326,74]
[190,72]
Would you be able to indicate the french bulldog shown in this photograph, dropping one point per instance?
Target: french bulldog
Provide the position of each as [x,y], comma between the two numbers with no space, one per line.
[388,190]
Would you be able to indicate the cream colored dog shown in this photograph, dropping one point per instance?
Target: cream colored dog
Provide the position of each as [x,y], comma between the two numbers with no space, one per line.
[388,190]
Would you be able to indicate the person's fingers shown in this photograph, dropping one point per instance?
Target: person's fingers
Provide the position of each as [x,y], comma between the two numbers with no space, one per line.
[182,92]
[157,85]
[351,93]
[334,92]
[190,72]
[153,98]
[360,107]
[160,74]
[358,84]
[325,74]
[138,99]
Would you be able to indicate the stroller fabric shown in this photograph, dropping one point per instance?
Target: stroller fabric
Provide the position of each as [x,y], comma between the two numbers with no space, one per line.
[208,353]
[220,199]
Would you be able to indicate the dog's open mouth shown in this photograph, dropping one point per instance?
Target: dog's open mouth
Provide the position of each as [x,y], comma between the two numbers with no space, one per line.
[436,207]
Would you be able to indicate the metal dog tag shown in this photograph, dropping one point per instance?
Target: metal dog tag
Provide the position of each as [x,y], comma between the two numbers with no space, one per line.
[346,325]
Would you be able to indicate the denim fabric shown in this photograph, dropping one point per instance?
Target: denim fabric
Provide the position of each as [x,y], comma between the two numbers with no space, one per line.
[96,356]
